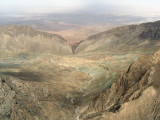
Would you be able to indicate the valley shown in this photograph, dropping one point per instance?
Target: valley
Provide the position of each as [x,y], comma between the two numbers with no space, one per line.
[109,73]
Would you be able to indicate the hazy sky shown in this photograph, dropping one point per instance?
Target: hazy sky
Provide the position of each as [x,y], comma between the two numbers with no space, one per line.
[139,7]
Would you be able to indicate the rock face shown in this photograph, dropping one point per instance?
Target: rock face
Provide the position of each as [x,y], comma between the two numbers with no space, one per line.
[21,100]
[152,31]
[134,96]
[129,37]
[24,38]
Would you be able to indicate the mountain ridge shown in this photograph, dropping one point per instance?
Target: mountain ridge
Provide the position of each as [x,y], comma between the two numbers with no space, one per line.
[122,37]
[25,38]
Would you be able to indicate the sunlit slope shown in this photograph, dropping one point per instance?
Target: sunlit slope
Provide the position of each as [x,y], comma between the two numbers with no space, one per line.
[124,38]
[24,38]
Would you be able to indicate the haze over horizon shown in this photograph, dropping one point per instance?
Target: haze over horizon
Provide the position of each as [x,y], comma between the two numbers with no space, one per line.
[125,7]
[75,20]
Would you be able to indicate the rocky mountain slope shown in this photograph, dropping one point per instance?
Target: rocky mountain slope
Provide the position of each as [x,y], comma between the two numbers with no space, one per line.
[124,38]
[24,38]
[134,96]
[39,88]
[112,77]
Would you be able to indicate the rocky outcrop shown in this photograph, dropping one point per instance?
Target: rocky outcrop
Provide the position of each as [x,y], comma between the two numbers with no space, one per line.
[152,31]
[16,104]
[135,96]
[21,100]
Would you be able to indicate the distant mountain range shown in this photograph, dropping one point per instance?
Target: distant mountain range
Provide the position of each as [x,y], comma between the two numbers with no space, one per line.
[52,22]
